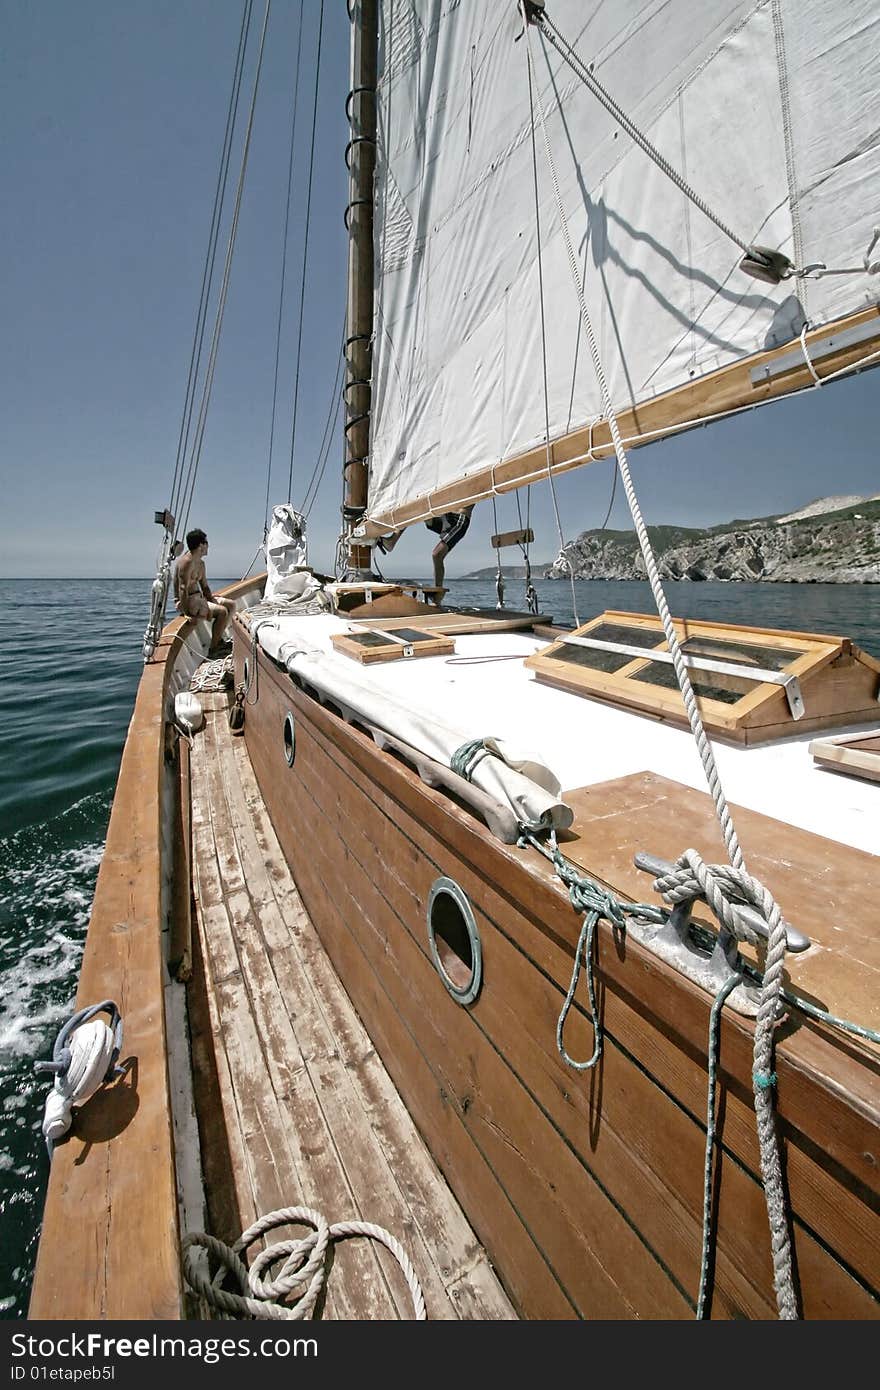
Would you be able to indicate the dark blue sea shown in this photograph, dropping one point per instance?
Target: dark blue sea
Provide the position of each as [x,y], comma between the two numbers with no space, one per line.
[70,653]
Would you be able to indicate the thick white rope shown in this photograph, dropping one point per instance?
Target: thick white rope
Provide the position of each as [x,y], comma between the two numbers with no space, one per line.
[772,985]
[817,380]
[303,1266]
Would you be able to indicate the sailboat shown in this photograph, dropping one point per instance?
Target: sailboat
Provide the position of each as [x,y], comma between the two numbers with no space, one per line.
[557,944]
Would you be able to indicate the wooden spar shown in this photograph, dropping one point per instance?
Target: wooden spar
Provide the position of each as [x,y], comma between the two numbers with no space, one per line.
[729,389]
[361,159]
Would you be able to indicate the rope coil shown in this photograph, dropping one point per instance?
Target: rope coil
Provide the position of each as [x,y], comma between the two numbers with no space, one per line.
[302,1268]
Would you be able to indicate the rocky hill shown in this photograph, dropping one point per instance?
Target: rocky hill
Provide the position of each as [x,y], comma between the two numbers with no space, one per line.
[824,543]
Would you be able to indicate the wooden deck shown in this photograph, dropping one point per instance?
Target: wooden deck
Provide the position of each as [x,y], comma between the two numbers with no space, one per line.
[289,1084]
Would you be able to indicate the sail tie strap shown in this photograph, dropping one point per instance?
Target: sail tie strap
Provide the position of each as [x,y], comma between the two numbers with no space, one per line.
[303,1266]
[466,759]
[777,941]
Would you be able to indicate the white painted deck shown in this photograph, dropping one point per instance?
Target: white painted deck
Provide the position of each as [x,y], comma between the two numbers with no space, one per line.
[581,741]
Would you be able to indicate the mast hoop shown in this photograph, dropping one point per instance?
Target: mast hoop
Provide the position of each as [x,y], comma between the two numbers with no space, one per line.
[355,203]
[353,92]
[356,140]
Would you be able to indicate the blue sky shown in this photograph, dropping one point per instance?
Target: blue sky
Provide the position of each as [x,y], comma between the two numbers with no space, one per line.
[112,117]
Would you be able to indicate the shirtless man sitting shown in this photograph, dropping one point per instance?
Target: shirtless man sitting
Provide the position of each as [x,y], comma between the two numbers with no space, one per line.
[193,595]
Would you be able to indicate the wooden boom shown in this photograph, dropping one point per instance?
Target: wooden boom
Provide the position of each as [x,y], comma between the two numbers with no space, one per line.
[752,381]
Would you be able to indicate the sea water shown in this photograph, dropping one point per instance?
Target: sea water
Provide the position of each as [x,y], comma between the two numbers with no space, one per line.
[70,654]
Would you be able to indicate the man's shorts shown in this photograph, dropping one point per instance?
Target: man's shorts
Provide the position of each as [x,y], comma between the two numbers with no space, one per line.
[199,607]
[450,527]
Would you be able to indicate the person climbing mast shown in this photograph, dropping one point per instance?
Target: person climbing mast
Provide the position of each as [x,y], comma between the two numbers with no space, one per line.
[450,526]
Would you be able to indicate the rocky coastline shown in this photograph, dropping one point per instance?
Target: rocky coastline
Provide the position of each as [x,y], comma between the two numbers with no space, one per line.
[824,543]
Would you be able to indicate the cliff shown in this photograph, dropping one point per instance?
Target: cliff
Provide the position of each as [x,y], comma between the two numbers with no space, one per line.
[813,546]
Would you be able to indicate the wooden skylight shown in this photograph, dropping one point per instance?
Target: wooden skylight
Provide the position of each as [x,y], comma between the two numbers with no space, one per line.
[375,644]
[752,684]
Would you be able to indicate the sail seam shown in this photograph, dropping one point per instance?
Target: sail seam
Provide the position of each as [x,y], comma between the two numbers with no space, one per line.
[790,166]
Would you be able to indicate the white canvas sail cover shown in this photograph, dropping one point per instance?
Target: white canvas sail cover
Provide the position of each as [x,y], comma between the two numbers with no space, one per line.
[286,552]
[768,110]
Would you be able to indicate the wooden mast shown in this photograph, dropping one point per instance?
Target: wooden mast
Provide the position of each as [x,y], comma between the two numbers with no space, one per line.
[361,160]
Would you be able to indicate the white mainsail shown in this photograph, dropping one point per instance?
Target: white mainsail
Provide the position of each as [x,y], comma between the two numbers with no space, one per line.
[767,110]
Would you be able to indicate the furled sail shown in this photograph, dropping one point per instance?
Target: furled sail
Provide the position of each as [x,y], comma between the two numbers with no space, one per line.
[767,110]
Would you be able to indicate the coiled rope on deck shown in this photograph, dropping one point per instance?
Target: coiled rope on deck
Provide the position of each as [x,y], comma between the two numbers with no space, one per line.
[303,1266]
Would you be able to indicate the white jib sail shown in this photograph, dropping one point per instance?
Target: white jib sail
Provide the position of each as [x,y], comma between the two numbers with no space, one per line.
[768,110]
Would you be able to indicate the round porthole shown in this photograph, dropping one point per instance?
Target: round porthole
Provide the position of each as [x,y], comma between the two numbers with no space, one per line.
[455,941]
[289,739]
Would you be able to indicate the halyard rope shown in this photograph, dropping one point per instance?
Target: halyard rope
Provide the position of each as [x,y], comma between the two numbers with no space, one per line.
[776,945]
[816,270]
[303,1266]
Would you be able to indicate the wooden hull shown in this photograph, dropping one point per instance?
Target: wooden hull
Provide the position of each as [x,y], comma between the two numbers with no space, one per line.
[586,1189]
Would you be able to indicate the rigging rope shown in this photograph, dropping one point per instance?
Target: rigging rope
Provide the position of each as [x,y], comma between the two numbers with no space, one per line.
[195,457]
[776,943]
[302,295]
[777,263]
[210,255]
[283,269]
[581,70]
[333,409]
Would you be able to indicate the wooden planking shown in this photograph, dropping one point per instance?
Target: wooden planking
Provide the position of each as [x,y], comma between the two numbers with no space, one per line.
[592,1250]
[103,1168]
[817,882]
[405,974]
[180,942]
[658,1120]
[284,1164]
[476,1186]
[394,1167]
[258,959]
[99,1169]
[837,1118]
[358,1183]
[701,1102]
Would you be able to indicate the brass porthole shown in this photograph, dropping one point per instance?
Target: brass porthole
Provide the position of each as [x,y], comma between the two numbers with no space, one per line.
[455,940]
[289,739]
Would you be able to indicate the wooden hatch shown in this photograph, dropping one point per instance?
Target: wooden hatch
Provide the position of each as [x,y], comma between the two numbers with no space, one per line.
[752,684]
[374,644]
[856,754]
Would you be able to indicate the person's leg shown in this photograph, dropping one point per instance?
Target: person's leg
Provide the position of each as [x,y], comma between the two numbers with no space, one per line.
[220,613]
[438,555]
